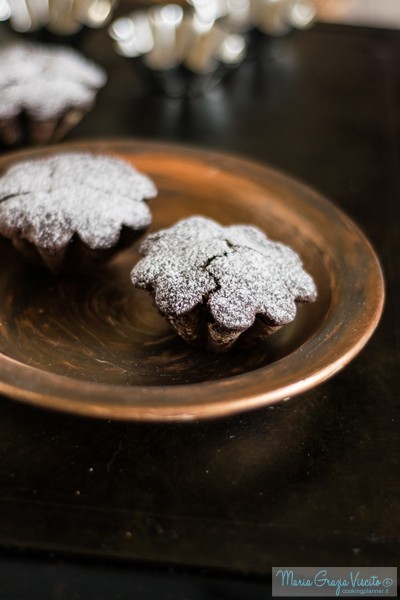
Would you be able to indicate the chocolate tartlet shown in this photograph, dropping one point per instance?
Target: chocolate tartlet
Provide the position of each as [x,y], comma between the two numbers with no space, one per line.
[44,91]
[73,210]
[213,283]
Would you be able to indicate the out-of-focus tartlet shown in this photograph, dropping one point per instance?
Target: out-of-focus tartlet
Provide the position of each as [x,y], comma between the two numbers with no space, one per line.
[73,211]
[44,91]
[214,283]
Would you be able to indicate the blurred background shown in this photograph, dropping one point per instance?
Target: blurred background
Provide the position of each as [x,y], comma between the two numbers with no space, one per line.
[379,13]
[65,17]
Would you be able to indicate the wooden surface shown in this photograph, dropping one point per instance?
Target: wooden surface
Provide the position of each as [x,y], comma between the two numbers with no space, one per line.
[311,481]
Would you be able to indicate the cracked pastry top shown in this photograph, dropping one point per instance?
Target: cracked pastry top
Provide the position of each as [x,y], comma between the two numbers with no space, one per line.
[212,282]
[73,199]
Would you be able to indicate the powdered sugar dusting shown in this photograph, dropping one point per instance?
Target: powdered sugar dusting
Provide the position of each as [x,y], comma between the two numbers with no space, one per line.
[46,201]
[45,81]
[237,271]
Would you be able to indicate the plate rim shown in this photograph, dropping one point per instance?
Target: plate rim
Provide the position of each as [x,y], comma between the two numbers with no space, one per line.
[234,400]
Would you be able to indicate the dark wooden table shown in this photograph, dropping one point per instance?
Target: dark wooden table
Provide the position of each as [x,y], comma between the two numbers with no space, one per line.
[205,509]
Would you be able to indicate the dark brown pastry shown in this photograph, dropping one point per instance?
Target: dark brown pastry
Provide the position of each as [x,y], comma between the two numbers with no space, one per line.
[213,283]
[73,210]
[44,91]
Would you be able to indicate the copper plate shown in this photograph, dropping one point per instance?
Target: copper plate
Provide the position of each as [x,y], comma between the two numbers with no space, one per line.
[95,346]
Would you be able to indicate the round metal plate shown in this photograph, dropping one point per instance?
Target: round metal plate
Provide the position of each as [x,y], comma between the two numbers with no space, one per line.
[95,346]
